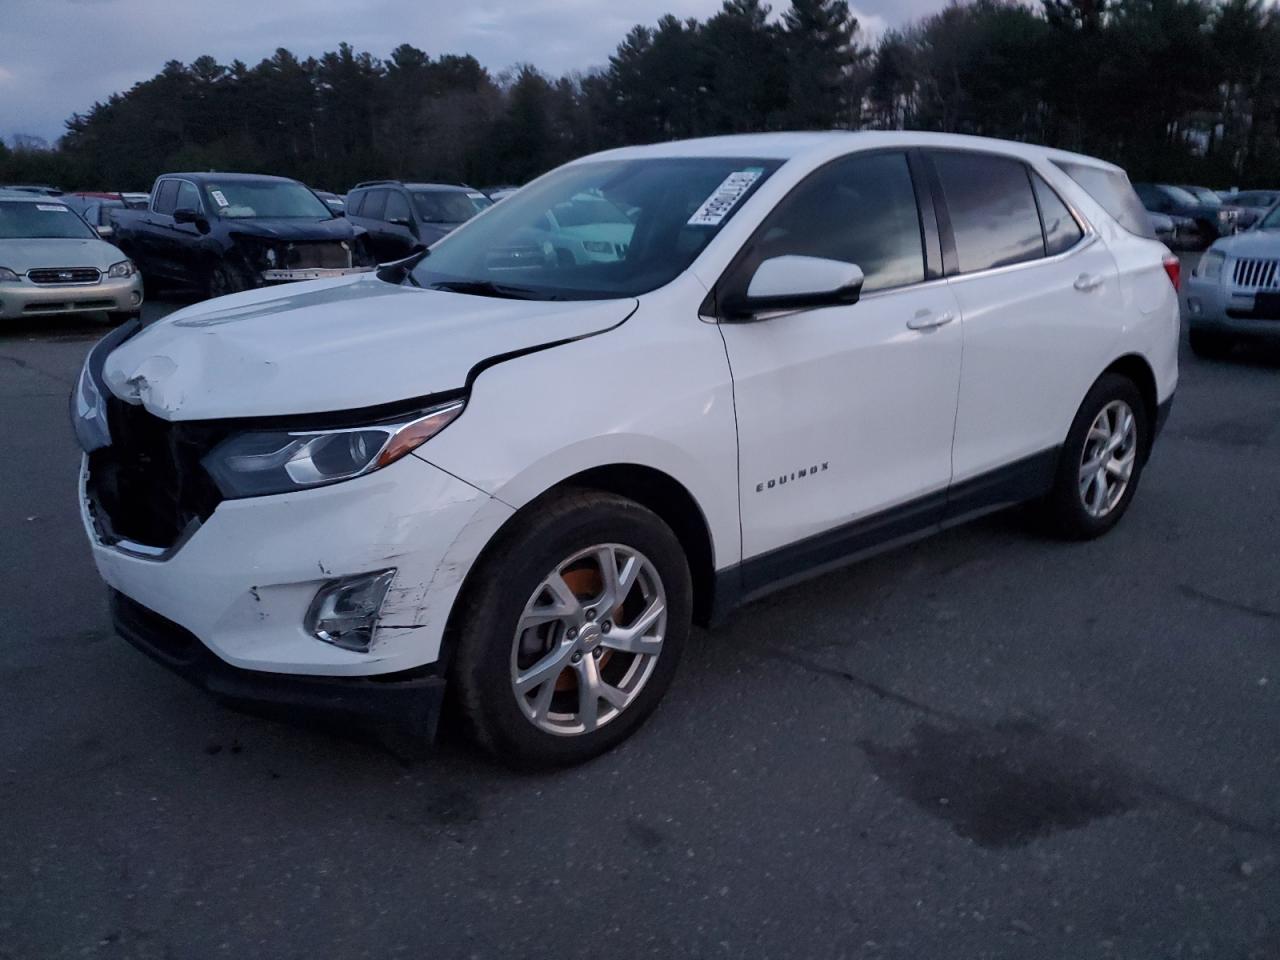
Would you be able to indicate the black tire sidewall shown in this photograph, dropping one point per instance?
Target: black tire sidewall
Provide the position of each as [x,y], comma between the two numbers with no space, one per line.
[507,578]
[1067,510]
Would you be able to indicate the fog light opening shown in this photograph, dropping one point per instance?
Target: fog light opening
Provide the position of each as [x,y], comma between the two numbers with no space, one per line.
[345,611]
[135,298]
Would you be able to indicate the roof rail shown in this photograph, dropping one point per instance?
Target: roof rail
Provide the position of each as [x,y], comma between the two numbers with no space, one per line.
[373,183]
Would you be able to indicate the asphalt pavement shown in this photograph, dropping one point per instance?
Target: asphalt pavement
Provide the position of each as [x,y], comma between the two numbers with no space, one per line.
[985,745]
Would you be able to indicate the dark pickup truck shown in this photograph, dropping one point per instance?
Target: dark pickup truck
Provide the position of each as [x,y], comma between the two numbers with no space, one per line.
[224,232]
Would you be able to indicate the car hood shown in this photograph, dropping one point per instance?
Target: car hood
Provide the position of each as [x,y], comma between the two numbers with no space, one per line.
[332,345]
[1251,243]
[23,255]
[339,228]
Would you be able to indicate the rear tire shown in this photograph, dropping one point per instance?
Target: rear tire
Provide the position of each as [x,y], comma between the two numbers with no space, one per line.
[1101,461]
[528,659]
[1208,344]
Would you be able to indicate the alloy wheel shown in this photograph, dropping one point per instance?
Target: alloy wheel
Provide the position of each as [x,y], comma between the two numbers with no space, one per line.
[588,639]
[1107,462]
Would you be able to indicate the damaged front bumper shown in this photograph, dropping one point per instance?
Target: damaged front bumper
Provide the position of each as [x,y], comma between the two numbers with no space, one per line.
[243,580]
[409,701]
[310,273]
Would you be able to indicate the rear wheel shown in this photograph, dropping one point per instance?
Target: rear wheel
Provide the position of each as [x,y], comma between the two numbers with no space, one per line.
[1208,344]
[573,628]
[1101,461]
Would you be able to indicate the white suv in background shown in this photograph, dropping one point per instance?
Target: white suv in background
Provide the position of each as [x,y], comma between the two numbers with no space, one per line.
[526,477]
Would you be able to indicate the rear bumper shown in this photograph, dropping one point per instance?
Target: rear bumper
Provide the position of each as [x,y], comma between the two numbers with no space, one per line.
[409,701]
[25,299]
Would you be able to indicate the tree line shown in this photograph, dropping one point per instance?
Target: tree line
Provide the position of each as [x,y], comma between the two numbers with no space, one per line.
[1181,90]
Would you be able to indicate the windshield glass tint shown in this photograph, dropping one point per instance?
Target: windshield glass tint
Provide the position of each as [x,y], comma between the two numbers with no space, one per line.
[20,220]
[248,199]
[1271,221]
[599,230]
[443,206]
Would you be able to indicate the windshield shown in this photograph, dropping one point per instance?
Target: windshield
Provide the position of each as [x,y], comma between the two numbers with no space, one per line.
[23,220]
[444,206]
[1180,196]
[1271,221]
[594,231]
[1205,195]
[249,199]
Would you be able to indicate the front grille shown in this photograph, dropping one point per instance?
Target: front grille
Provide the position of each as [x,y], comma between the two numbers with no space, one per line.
[65,275]
[147,486]
[302,256]
[1257,274]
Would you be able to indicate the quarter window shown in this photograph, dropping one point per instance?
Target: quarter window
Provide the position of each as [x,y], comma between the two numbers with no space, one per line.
[993,211]
[861,209]
[166,197]
[1061,232]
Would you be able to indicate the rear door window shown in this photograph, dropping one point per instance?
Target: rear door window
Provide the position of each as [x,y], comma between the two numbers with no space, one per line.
[993,211]
[1112,191]
[1061,231]
[166,197]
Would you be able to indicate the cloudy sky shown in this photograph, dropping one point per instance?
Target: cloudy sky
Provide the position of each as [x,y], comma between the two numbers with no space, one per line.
[59,56]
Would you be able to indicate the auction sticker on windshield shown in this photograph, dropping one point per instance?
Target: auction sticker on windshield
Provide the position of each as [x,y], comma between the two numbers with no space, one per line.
[218,198]
[717,206]
[50,208]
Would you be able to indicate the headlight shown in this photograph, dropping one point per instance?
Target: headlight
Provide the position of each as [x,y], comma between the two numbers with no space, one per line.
[7,274]
[262,462]
[597,246]
[89,414]
[1210,266]
[124,268]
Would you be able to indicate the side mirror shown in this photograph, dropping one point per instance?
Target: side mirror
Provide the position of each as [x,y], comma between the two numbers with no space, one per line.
[185,215]
[401,222]
[796,283]
[105,231]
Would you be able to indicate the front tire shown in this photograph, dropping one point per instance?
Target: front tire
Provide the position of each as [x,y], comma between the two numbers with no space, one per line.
[223,279]
[1208,344]
[572,628]
[1101,461]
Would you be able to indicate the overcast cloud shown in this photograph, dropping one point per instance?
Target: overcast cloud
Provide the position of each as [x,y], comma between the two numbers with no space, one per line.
[59,56]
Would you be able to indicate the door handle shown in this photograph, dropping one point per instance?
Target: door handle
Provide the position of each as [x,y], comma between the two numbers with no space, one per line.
[928,320]
[1086,282]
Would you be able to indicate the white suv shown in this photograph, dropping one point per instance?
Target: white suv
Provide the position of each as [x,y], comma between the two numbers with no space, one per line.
[526,476]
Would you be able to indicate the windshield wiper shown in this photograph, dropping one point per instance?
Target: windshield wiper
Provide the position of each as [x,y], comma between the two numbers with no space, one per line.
[487,288]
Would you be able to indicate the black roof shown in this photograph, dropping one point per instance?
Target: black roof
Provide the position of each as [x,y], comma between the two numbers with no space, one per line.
[209,177]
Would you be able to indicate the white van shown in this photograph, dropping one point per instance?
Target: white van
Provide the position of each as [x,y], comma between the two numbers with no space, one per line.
[525,475]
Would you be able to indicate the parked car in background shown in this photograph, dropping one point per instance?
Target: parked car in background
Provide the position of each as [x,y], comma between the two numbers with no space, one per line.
[499,193]
[1257,203]
[41,189]
[526,484]
[96,209]
[404,218]
[1165,227]
[223,232]
[334,202]
[136,201]
[1211,220]
[1244,217]
[1234,292]
[51,261]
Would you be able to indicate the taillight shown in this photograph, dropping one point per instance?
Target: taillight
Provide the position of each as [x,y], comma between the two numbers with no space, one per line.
[1173,267]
